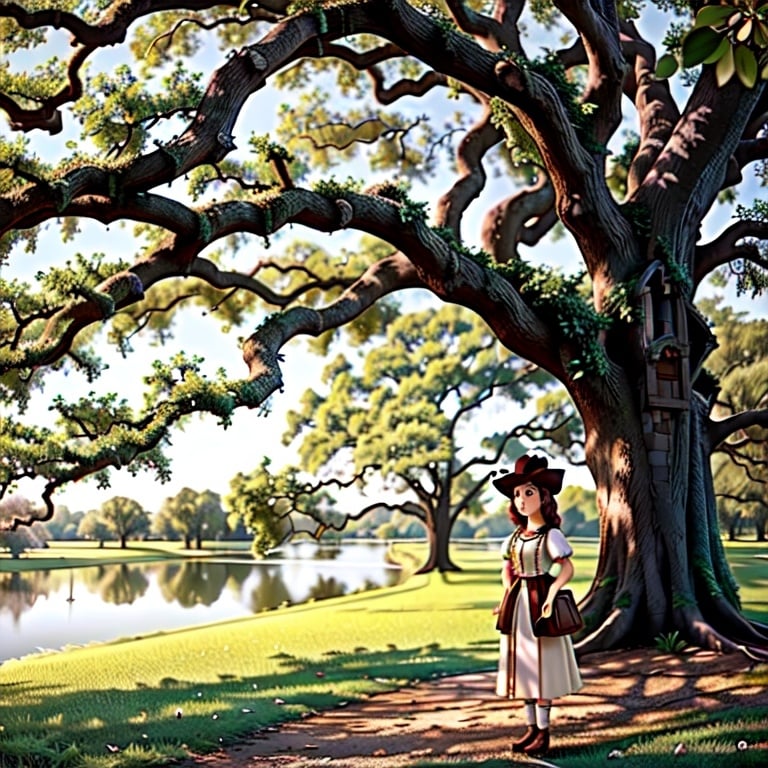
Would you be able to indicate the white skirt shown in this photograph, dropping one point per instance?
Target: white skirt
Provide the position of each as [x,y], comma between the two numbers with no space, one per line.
[533,667]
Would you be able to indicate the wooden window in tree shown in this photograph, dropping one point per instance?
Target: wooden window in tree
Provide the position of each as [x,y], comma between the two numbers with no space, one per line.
[664,340]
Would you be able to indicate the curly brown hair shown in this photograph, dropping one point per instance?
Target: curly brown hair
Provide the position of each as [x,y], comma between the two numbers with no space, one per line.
[548,510]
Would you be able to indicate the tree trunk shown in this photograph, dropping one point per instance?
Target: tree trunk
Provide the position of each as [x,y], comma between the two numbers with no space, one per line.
[123,541]
[662,567]
[438,525]
[734,523]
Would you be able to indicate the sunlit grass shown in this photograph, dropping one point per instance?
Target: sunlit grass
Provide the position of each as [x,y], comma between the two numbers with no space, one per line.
[738,738]
[145,701]
[228,679]
[71,554]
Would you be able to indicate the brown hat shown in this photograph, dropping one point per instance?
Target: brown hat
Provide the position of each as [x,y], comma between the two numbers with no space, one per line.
[531,469]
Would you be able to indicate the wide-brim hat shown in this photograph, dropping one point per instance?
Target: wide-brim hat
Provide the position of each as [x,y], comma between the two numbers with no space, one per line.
[531,469]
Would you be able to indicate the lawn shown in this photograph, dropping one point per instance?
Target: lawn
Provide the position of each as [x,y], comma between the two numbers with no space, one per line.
[72,554]
[153,697]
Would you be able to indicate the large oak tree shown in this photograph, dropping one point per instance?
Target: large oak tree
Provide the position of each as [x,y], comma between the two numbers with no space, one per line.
[543,149]
[404,425]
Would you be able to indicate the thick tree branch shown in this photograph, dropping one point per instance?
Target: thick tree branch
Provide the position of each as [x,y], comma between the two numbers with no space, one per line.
[495,35]
[690,170]
[448,273]
[471,174]
[735,242]
[111,29]
[583,201]
[386,276]
[598,27]
[367,61]
[48,116]
[719,431]
[209,136]
[403,88]
[505,225]
[261,353]
[751,151]
[657,111]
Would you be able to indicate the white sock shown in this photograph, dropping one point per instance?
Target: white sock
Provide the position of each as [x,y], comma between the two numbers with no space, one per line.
[542,715]
[530,712]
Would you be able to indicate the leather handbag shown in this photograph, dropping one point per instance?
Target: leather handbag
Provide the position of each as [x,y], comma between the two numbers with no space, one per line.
[507,609]
[565,618]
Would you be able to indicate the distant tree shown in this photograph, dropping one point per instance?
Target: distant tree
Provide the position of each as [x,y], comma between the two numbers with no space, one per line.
[235,528]
[578,508]
[183,513]
[212,516]
[18,541]
[404,420]
[740,464]
[494,524]
[125,518]
[64,524]
[191,515]
[162,523]
[93,527]
[741,504]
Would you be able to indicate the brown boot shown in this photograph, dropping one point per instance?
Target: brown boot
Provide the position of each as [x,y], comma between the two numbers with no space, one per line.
[539,745]
[527,738]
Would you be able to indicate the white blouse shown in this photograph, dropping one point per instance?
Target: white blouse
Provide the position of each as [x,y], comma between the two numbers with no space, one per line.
[534,555]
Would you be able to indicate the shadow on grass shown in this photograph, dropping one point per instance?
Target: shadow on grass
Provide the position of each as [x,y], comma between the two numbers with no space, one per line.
[161,718]
[737,738]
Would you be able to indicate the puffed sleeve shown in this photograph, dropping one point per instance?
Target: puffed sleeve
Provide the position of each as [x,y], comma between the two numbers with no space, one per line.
[557,545]
[505,546]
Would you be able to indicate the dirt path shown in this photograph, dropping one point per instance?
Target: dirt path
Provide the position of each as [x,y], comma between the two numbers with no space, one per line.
[625,693]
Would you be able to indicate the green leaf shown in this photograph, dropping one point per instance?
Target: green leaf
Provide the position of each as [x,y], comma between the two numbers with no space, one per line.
[725,67]
[698,45]
[746,65]
[712,15]
[761,34]
[666,66]
[719,52]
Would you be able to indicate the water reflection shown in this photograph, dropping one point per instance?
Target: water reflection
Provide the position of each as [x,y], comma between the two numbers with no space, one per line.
[117,584]
[55,608]
[192,583]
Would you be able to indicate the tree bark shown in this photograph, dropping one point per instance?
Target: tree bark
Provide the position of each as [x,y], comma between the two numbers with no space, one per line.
[438,525]
[662,566]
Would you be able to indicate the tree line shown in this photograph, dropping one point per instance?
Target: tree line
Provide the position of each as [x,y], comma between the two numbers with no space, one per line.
[195,518]
[188,516]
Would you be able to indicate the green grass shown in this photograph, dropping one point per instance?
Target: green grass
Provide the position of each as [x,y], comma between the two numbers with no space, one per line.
[750,567]
[231,678]
[72,554]
[710,743]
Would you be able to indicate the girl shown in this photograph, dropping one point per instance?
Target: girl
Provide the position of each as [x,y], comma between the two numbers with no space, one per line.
[534,669]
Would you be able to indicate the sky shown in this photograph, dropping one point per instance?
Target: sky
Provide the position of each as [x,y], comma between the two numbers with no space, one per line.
[204,456]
